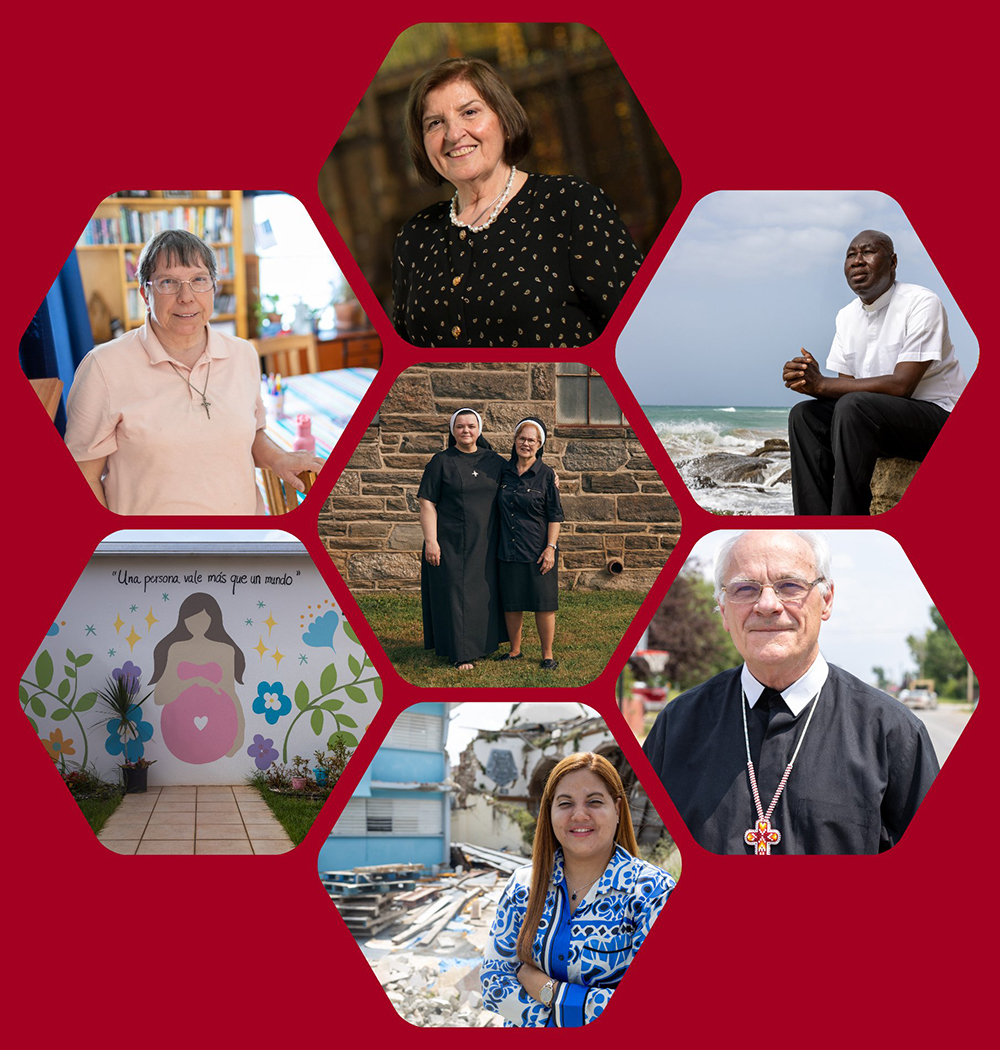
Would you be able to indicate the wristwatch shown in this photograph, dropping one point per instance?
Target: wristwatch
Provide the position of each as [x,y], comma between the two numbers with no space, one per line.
[548,991]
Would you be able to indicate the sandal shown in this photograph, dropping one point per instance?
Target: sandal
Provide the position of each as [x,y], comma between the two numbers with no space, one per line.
[509,656]
[549,665]
[464,665]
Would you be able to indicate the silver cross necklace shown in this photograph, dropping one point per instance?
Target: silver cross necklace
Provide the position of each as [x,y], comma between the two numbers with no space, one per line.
[204,393]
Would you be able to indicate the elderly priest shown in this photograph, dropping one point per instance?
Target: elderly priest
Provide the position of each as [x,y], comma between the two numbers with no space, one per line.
[787,753]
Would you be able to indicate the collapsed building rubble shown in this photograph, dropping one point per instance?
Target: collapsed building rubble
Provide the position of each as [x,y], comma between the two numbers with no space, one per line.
[424,935]
[504,770]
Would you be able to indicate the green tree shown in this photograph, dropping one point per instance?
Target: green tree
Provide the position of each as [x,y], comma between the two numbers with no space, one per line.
[938,656]
[690,629]
[881,680]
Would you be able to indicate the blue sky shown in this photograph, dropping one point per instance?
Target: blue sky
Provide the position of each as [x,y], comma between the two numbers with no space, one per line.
[751,278]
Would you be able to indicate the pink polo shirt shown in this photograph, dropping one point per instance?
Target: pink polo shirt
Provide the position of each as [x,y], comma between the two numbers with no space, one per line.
[165,455]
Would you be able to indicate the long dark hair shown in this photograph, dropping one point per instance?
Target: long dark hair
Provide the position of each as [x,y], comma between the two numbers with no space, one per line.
[191,606]
[544,847]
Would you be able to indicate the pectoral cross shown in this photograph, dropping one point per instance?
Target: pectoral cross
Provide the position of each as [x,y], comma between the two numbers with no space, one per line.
[475,473]
[763,836]
[204,404]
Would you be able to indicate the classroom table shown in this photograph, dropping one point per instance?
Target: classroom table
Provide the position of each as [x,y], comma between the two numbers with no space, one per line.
[328,398]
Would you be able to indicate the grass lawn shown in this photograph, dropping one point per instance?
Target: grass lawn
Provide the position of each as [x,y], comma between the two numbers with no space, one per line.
[97,810]
[295,815]
[589,625]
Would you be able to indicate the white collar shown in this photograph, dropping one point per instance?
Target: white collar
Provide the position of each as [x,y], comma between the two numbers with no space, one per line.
[882,300]
[798,694]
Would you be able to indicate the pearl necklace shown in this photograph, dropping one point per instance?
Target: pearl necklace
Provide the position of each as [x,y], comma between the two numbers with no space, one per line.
[456,221]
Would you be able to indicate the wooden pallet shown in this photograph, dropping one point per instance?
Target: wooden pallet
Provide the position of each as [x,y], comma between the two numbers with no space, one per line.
[378,874]
[351,889]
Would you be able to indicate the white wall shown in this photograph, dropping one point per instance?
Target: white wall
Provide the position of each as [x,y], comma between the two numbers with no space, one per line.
[278,613]
[481,824]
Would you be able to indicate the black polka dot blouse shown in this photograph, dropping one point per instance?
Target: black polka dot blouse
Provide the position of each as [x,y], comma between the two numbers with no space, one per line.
[549,272]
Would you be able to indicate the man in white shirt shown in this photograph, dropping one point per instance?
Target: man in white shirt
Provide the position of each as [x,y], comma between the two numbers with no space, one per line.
[787,753]
[898,379]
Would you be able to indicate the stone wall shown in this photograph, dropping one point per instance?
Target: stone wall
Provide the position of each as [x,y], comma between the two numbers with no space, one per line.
[618,512]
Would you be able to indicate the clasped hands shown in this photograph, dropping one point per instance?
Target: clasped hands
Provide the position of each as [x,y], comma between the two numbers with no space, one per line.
[802,375]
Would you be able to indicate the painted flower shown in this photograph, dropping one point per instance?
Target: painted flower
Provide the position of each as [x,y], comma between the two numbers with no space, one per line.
[262,751]
[57,747]
[321,631]
[127,670]
[133,747]
[271,701]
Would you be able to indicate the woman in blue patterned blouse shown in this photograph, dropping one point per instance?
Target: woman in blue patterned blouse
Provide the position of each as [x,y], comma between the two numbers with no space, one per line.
[569,924]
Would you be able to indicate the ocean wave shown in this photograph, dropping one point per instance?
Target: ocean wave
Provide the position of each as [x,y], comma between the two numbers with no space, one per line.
[695,437]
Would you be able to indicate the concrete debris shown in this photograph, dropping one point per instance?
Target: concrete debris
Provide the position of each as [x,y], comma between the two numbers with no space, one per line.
[428,959]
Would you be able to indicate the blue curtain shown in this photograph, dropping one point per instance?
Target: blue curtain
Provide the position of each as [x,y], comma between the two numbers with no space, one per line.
[59,334]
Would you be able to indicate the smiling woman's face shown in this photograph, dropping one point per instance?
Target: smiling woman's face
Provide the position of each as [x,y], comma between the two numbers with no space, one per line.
[185,314]
[463,137]
[528,441]
[584,815]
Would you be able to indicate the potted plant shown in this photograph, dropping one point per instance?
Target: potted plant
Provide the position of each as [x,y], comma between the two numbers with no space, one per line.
[136,775]
[345,304]
[266,314]
[330,766]
[300,773]
[120,698]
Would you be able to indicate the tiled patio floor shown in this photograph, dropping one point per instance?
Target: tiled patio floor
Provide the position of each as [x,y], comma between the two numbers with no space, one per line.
[216,819]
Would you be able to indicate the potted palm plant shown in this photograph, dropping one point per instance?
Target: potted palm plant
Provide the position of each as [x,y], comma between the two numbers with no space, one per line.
[120,699]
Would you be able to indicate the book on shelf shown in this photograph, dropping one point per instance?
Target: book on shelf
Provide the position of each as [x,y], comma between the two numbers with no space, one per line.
[213,223]
[136,306]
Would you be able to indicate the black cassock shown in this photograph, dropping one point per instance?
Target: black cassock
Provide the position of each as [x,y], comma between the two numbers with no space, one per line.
[461,596]
[864,767]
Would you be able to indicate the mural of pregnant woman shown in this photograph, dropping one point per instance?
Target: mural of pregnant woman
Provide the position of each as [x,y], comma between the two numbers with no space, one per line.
[195,669]
[249,661]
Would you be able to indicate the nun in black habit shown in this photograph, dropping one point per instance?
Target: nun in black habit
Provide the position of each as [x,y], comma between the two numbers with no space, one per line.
[459,586]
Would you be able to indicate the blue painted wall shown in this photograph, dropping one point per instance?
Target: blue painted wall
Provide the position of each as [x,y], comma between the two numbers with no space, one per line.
[398,766]
[395,765]
[339,854]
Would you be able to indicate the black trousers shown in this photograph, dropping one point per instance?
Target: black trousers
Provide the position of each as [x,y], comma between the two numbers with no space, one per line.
[835,444]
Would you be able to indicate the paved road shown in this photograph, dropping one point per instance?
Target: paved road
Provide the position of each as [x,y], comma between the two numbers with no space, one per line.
[945,725]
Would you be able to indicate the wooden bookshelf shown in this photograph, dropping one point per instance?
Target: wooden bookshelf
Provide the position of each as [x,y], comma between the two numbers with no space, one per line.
[121,225]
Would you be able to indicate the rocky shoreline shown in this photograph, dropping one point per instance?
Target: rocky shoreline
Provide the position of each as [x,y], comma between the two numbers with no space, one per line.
[756,469]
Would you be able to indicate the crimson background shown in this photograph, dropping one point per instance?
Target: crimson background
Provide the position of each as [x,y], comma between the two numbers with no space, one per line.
[169,951]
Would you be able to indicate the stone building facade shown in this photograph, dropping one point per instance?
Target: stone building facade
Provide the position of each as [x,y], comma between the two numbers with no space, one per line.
[621,524]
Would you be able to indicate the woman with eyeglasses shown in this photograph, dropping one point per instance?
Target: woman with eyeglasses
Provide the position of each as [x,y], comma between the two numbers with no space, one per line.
[168,418]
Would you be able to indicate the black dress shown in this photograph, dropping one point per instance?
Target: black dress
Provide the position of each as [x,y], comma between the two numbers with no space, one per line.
[461,596]
[527,503]
[549,271]
[862,771]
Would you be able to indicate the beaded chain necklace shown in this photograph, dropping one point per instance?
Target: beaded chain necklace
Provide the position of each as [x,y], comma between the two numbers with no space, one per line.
[762,835]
